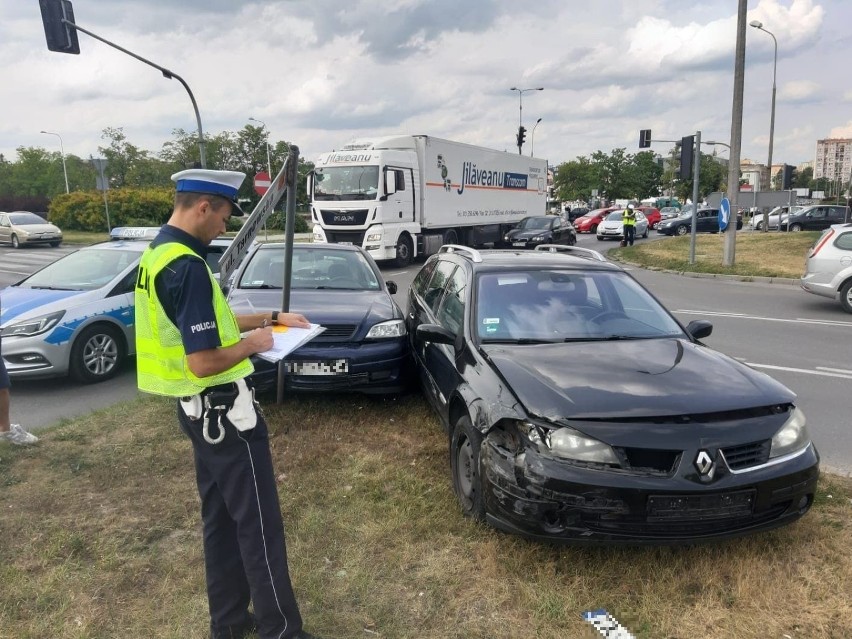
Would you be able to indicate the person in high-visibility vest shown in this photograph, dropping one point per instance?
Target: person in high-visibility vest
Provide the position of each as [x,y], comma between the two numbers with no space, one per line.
[628,222]
[189,347]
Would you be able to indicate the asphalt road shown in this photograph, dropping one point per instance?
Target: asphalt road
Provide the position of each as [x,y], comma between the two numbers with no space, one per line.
[799,339]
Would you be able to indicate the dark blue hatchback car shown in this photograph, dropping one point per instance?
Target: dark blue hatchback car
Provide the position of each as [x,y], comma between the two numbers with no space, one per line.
[364,347]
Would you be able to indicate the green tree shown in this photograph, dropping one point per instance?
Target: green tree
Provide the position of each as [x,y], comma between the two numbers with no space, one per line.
[802,179]
[711,178]
[575,180]
[645,175]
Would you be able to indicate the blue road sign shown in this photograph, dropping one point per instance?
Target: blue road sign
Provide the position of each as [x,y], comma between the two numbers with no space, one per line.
[724,213]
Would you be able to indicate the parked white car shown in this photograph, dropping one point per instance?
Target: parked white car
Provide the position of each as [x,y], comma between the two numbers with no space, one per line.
[611,228]
[828,269]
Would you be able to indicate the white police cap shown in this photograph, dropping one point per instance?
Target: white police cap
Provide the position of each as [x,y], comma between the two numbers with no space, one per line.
[222,183]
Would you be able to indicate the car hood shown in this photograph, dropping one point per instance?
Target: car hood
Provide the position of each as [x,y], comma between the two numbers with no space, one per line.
[31,229]
[611,224]
[19,302]
[630,379]
[364,308]
[525,234]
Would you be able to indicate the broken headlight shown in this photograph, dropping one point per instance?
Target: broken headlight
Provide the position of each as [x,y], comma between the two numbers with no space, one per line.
[568,443]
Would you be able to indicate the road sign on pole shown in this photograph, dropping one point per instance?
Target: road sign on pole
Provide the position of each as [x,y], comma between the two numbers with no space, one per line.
[262,182]
[724,213]
[239,247]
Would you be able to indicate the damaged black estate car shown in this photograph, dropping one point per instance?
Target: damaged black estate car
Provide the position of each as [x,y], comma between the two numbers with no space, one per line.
[579,409]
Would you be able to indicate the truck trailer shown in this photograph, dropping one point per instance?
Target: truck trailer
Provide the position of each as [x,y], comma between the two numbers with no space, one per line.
[407,195]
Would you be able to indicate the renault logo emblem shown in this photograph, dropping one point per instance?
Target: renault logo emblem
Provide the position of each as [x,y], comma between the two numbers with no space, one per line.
[704,464]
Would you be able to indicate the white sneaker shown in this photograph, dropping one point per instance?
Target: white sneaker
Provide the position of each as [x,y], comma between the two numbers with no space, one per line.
[18,435]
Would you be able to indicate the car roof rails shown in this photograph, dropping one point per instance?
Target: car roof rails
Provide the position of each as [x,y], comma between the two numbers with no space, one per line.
[579,251]
[468,252]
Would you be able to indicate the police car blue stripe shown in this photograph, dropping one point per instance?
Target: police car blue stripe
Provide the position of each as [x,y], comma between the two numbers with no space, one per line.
[65,331]
[17,301]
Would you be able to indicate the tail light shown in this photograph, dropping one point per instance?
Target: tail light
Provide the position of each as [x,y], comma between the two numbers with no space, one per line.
[820,242]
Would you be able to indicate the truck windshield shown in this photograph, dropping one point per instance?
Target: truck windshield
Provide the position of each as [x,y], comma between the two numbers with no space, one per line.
[346,183]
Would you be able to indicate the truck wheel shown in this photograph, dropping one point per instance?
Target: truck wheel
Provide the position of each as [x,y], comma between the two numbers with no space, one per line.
[451,237]
[404,251]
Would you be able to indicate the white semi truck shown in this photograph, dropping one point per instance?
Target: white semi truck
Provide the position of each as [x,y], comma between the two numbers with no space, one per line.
[406,195]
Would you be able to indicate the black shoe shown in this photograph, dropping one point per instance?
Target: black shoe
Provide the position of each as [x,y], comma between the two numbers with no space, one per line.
[236,632]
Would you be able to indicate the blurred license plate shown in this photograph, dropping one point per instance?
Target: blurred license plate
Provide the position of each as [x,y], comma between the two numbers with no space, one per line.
[701,506]
[519,243]
[346,243]
[331,367]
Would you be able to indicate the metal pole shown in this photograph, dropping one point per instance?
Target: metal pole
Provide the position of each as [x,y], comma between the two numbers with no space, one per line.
[532,138]
[166,74]
[696,175]
[292,166]
[729,250]
[62,155]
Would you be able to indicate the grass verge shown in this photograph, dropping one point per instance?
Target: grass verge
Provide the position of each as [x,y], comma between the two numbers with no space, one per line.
[101,539]
[756,254]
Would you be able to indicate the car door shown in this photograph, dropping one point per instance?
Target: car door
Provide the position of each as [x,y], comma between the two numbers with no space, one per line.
[816,219]
[441,358]
[422,308]
[557,230]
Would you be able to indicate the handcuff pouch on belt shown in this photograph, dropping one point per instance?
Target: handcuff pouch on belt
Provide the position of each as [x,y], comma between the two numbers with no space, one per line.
[236,403]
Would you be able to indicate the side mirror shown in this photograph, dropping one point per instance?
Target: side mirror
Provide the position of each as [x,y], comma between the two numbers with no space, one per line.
[392,287]
[309,185]
[699,329]
[434,333]
[390,181]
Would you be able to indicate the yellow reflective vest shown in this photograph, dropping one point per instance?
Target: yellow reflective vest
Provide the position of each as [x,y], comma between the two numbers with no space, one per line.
[628,217]
[160,356]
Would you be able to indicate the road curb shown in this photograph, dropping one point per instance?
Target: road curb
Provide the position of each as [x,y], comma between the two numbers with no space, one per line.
[789,281]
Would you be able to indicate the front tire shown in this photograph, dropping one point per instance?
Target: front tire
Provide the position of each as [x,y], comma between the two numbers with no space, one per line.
[795,228]
[681,230]
[404,251]
[97,354]
[846,296]
[55,244]
[16,243]
[645,234]
[465,447]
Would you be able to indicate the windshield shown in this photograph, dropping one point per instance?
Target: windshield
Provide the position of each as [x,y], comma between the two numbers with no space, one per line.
[313,268]
[550,306]
[534,223]
[22,219]
[346,183]
[615,216]
[84,270]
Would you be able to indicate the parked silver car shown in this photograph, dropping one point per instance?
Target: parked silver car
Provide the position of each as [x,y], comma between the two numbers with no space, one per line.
[613,228]
[20,228]
[828,269]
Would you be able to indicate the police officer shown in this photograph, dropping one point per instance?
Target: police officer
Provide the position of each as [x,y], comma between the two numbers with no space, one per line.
[189,346]
[628,222]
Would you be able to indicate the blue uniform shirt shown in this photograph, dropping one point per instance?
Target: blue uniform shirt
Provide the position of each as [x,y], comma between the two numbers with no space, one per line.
[185,291]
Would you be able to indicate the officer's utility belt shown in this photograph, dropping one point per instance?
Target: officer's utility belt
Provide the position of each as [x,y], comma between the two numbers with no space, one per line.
[235,402]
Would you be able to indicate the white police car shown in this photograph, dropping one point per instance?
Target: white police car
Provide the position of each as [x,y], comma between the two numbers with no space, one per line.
[75,316]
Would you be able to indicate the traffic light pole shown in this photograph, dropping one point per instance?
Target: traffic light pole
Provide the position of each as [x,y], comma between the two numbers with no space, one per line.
[166,74]
[696,174]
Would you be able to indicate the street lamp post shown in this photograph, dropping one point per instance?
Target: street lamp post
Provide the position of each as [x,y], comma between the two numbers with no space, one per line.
[532,137]
[521,112]
[268,161]
[62,154]
[757,24]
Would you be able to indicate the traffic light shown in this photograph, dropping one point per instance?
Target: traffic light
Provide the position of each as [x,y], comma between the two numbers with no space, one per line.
[787,177]
[687,144]
[522,136]
[60,37]
[645,139]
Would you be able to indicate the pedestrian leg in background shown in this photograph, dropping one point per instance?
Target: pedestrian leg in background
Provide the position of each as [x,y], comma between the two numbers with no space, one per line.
[9,432]
[629,234]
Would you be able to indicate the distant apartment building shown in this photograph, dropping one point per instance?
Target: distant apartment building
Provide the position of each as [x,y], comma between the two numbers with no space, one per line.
[833,159]
[755,174]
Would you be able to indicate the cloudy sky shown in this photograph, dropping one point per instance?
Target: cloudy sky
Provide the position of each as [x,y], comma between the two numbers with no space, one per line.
[320,72]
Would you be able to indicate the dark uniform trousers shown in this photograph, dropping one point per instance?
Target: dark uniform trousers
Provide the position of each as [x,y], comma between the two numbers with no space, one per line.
[629,234]
[244,549]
